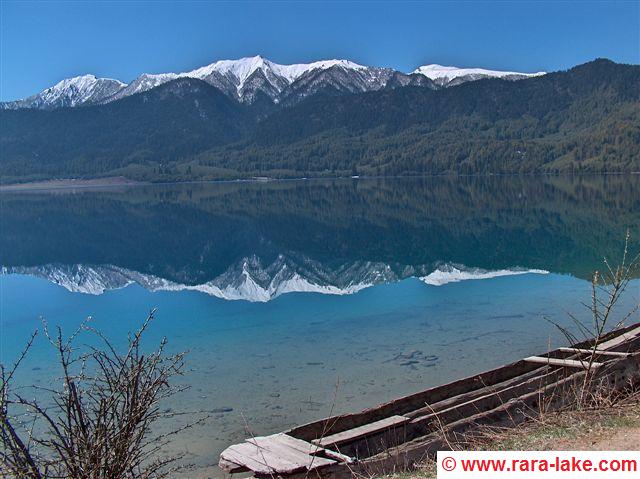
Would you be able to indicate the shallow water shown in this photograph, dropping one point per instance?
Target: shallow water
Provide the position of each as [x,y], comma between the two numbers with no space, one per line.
[290,357]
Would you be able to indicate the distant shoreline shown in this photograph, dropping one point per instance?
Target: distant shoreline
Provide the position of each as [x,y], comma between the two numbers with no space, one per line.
[71,183]
[111,181]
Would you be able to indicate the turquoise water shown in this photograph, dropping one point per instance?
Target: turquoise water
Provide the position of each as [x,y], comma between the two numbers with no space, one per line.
[298,356]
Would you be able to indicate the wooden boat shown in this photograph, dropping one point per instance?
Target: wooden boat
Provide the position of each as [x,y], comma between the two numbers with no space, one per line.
[406,430]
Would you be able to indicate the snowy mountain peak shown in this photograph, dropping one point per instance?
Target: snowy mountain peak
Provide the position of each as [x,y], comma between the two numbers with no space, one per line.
[147,81]
[80,90]
[243,68]
[81,82]
[293,72]
[450,75]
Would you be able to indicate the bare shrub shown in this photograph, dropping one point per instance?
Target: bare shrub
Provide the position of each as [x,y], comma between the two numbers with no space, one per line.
[99,423]
[607,287]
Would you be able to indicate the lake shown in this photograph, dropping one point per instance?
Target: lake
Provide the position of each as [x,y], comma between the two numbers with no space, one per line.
[300,298]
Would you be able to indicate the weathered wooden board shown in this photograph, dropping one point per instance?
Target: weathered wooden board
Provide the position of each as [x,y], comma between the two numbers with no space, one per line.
[624,336]
[569,363]
[540,373]
[292,442]
[423,424]
[598,352]
[277,454]
[361,431]
[260,460]
[309,448]
[278,447]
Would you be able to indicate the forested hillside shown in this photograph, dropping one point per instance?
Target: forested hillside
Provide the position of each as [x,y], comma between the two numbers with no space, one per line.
[584,120]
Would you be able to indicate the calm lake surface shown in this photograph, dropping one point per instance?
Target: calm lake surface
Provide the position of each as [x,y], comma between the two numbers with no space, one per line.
[294,298]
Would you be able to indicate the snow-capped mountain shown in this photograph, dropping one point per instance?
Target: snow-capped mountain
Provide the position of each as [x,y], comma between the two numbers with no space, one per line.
[81,90]
[338,78]
[143,83]
[250,75]
[247,79]
[444,76]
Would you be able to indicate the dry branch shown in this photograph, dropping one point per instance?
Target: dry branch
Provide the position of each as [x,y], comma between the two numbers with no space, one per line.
[100,423]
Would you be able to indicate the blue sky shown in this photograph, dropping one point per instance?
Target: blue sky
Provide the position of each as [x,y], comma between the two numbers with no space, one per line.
[44,42]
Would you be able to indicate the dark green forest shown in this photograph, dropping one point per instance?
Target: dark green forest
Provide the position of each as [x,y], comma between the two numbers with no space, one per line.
[586,119]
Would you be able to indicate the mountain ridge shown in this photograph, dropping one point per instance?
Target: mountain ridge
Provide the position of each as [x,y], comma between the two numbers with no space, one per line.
[446,76]
[234,78]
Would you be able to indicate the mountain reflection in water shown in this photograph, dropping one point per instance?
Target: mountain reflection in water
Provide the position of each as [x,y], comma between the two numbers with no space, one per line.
[257,241]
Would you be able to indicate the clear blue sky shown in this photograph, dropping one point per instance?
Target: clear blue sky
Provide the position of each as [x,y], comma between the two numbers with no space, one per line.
[44,42]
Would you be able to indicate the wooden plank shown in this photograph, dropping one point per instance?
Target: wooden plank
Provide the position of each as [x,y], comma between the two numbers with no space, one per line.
[309,448]
[300,454]
[292,442]
[570,363]
[463,398]
[431,422]
[599,352]
[628,335]
[361,431]
[259,460]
